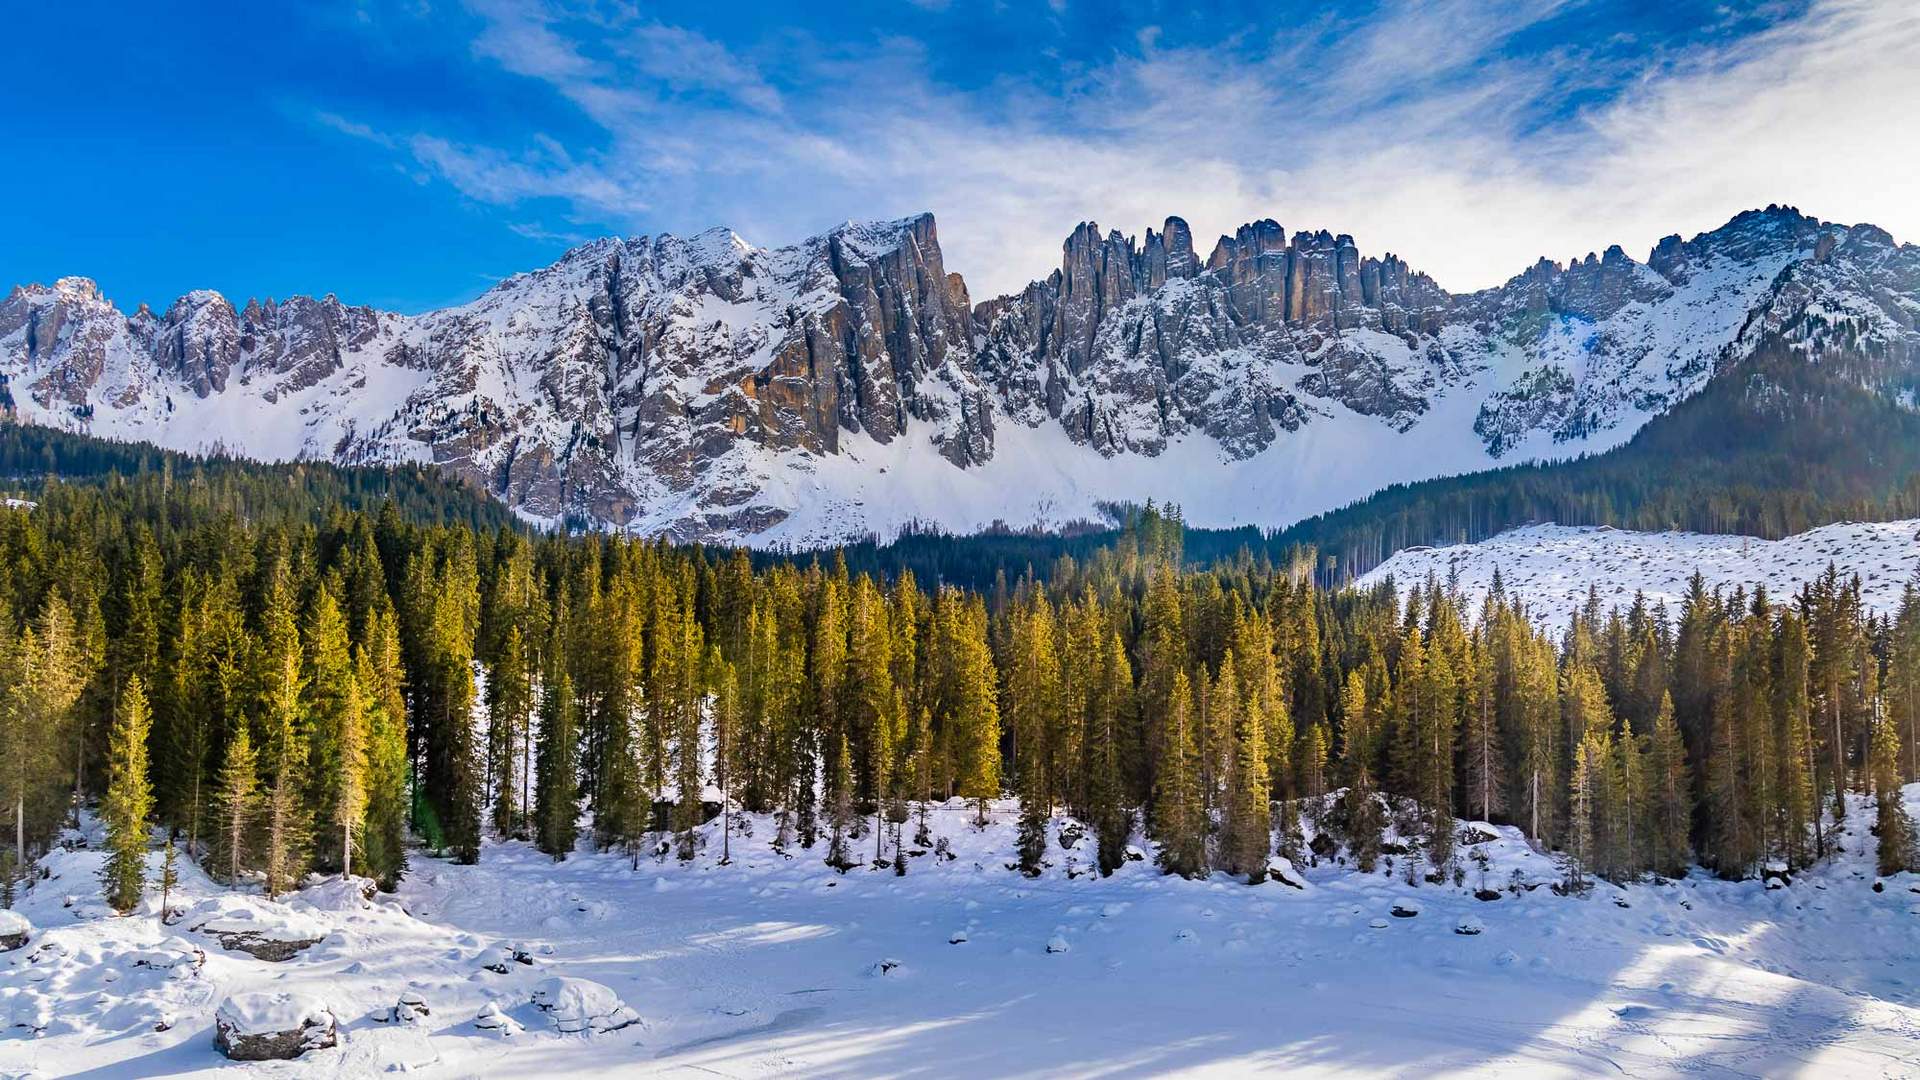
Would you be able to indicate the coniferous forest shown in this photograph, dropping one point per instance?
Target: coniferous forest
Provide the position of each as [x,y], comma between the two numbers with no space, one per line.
[289,691]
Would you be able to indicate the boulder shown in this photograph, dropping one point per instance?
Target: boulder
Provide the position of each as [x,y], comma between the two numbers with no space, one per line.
[411,1006]
[582,1006]
[1280,869]
[273,1026]
[501,959]
[1057,944]
[174,954]
[14,930]
[495,1022]
[273,935]
[1469,926]
[1404,909]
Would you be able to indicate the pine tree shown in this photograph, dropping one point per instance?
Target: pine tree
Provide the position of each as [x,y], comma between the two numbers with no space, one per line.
[330,715]
[44,677]
[283,813]
[1179,818]
[284,817]
[236,797]
[1361,806]
[686,692]
[1249,825]
[350,782]
[1671,800]
[128,802]
[726,743]
[1033,701]
[509,703]
[1583,803]
[974,715]
[557,808]
[920,762]
[1484,769]
[1311,760]
[383,833]
[169,878]
[1792,722]
[840,813]
[1896,851]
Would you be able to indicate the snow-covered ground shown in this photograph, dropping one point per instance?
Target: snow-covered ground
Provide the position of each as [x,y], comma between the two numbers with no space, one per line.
[773,965]
[1552,566]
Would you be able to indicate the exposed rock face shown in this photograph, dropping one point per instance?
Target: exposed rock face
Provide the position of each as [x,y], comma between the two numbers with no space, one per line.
[705,388]
[272,1027]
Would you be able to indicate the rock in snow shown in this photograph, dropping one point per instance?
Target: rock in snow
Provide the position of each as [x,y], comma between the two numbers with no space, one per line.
[582,1006]
[259,928]
[15,930]
[272,1026]
[495,1022]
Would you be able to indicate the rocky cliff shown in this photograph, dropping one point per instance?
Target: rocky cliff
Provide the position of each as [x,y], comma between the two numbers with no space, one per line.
[707,388]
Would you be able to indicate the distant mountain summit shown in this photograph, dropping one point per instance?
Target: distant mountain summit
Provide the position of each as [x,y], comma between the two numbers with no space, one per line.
[845,385]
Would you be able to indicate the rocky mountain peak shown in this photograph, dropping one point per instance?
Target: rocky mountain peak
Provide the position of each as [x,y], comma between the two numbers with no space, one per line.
[705,387]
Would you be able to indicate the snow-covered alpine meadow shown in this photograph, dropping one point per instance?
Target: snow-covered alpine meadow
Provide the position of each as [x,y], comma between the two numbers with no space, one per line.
[1552,567]
[776,964]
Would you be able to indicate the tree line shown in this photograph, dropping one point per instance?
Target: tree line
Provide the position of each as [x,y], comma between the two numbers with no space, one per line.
[326,693]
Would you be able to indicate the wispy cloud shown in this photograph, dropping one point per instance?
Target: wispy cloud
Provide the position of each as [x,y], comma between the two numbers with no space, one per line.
[1430,129]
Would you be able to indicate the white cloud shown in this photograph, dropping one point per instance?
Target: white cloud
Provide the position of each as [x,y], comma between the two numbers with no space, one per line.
[1415,132]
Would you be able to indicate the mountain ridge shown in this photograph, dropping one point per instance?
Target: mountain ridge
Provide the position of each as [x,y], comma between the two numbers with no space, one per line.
[847,385]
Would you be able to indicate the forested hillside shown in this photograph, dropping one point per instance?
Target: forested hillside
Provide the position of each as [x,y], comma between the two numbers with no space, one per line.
[289,692]
[311,492]
[1797,435]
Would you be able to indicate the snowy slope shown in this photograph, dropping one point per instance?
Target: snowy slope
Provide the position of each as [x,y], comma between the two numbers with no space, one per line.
[1551,567]
[847,385]
[776,965]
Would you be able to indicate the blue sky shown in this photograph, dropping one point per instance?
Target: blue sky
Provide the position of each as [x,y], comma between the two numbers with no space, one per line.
[408,154]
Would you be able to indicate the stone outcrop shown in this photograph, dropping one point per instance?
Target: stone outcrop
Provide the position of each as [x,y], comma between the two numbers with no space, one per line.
[703,387]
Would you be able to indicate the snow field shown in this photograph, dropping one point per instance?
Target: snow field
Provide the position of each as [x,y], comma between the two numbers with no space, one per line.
[777,965]
[1551,566]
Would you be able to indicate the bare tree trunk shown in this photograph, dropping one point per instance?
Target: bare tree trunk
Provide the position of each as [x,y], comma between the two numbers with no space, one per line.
[1533,804]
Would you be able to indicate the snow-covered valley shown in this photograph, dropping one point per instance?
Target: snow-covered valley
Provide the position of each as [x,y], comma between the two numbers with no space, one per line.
[1553,567]
[778,965]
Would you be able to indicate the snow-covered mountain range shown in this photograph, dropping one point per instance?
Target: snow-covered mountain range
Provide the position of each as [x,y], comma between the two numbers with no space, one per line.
[847,384]
[1552,568]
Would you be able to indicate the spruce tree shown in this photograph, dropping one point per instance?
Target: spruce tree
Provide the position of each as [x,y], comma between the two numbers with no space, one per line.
[1360,804]
[128,802]
[46,673]
[1179,818]
[1792,710]
[1482,756]
[974,718]
[383,834]
[509,704]
[1896,849]
[350,778]
[1113,705]
[557,808]
[1033,701]
[1249,827]
[726,742]
[840,816]
[169,878]
[1670,798]
[330,716]
[236,799]
[1583,803]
